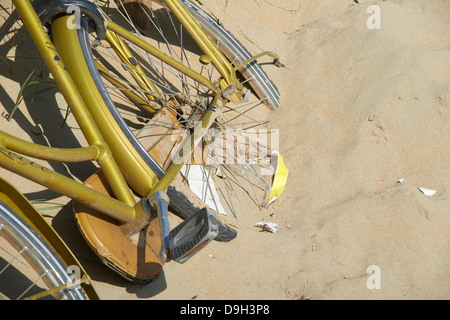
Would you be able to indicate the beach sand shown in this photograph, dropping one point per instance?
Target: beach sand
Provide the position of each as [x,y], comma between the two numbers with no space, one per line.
[362,108]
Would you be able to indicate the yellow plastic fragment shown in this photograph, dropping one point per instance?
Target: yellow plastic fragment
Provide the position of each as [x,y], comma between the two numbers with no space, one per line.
[279,179]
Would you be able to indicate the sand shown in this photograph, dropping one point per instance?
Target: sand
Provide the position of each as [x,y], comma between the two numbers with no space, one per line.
[361,109]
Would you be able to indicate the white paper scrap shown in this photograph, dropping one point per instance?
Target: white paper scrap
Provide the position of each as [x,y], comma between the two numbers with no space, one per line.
[268,226]
[425,191]
[428,192]
[201,183]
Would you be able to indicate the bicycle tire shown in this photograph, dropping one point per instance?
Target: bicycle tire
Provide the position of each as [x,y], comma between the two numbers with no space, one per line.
[50,269]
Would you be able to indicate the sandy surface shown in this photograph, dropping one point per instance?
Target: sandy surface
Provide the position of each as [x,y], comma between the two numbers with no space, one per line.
[361,109]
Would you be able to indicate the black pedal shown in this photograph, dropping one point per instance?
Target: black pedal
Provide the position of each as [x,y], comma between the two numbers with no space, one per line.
[192,234]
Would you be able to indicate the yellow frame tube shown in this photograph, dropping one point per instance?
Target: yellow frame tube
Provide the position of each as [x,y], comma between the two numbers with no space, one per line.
[189,145]
[135,170]
[160,55]
[134,217]
[73,98]
[124,54]
[204,42]
[33,171]
[50,153]
[126,90]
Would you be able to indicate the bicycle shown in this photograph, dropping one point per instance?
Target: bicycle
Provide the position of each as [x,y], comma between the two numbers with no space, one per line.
[147,112]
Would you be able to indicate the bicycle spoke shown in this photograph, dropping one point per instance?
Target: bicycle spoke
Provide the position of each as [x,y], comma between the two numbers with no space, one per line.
[15,257]
[45,273]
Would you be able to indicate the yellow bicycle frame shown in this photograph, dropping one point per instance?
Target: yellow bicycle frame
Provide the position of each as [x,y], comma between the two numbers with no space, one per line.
[119,161]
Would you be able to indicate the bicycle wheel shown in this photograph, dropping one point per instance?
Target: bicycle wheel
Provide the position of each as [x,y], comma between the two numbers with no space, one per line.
[156,106]
[29,267]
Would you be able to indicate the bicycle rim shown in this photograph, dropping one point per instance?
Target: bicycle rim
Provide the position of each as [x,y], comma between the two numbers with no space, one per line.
[28,265]
[180,102]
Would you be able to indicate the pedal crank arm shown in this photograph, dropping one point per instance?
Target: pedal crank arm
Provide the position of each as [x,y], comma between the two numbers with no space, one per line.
[159,206]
